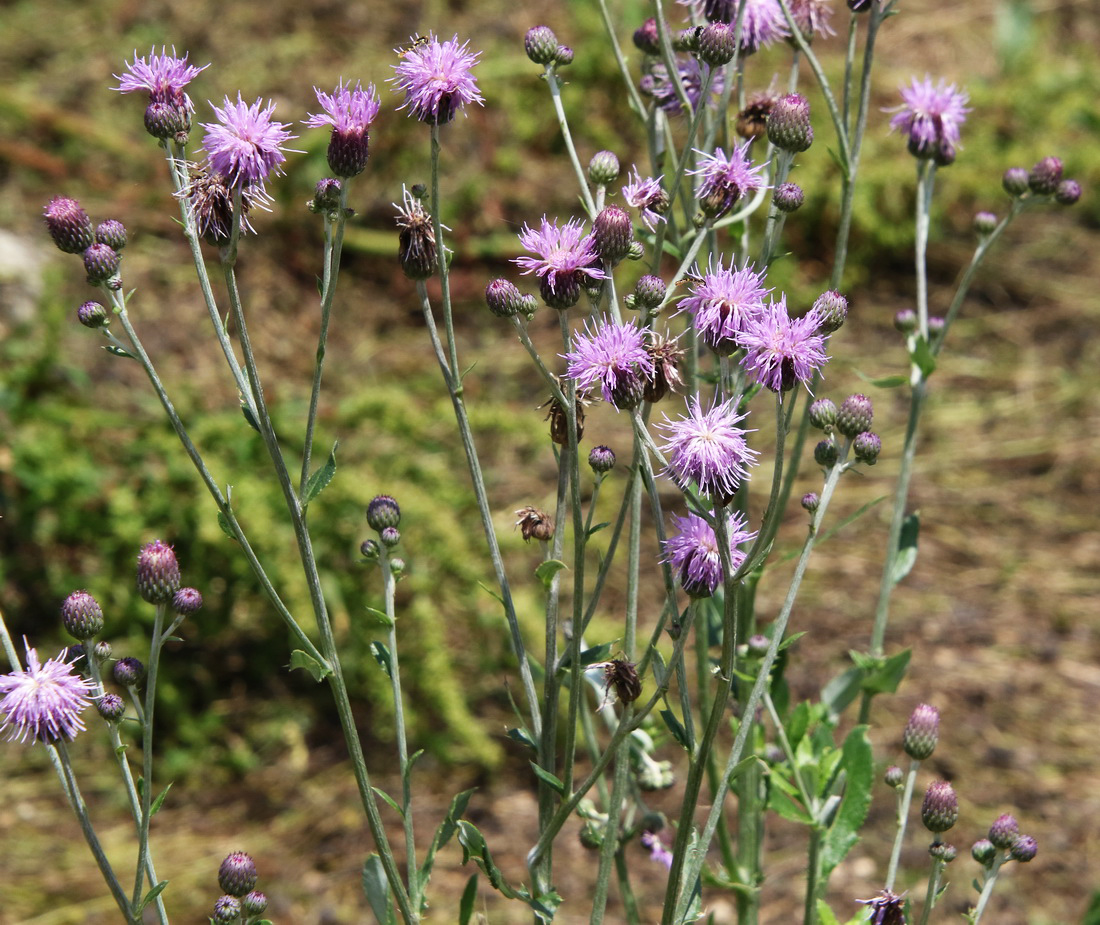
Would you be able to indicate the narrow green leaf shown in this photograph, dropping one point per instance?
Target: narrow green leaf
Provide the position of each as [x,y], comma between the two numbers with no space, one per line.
[888,674]
[923,358]
[523,737]
[884,382]
[377,890]
[791,640]
[300,659]
[380,615]
[249,416]
[679,733]
[469,897]
[596,529]
[858,764]
[158,801]
[825,914]
[475,849]
[149,897]
[382,656]
[589,656]
[223,522]
[907,548]
[547,778]
[119,352]
[320,479]
[547,570]
[390,801]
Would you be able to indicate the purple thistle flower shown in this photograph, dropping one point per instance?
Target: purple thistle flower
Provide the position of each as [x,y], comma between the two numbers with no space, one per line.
[657,851]
[164,76]
[565,255]
[614,357]
[436,79]
[762,23]
[658,85]
[723,302]
[350,113]
[694,555]
[708,448]
[43,702]
[726,178]
[931,116]
[245,145]
[812,17]
[780,350]
[647,195]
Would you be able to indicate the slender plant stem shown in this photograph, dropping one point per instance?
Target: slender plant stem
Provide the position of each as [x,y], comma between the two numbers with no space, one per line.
[146,790]
[551,78]
[933,889]
[988,883]
[905,799]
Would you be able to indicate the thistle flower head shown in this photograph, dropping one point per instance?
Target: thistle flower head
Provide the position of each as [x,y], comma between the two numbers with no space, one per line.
[163,76]
[246,144]
[662,89]
[780,350]
[812,17]
[237,874]
[81,615]
[694,556]
[647,196]
[565,257]
[722,302]
[614,358]
[726,178]
[1004,831]
[211,199]
[940,809]
[922,732]
[350,111]
[657,851]
[888,908]
[762,23]
[68,225]
[435,77]
[708,448]
[158,572]
[931,115]
[43,703]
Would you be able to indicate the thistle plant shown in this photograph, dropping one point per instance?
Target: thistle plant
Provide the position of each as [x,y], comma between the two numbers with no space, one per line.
[660,287]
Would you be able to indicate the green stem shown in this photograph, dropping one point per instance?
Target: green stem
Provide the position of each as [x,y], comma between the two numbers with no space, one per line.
[988,884]
[905,799]
[938,865]
[554,84]
[147,753]
[610,847]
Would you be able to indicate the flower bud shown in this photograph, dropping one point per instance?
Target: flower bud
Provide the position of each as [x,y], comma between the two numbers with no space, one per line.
[601,459]
[612,232]
[823,414]
[389,537]
[534,524]
[833,309]
[788,197]
[186,601]
[237,874]
[102,651]
[649,293]
[893,776]
[811,501]
[1004,831]
[647,39]
[1024,849]
[788,124]
[825,454]
[921,732]
[101,262]
[111,707]
[1015,181]
[855,415]
[254,903]
[503,298]
[541,45]
[81,615]
[226,910]
[937,324]
[326,196]
[128,671]
[984,851]
[985,222]
[940,809]
[93,315]
[942,851]
[112,233]
[158,572]
[370,550]
[758,645]
[397,567]
[906,321]
[604,168]
[565,294]
[383,512]
[1067,192]
[1044,177]
[867,446]
[68,225]
[166,119]
[564,55]
[715,44]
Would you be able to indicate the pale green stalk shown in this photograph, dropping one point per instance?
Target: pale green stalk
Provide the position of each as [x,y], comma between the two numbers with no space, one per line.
[934,879]
[610,847]
[552,82]
[146,789]
[989,881]
[905,799]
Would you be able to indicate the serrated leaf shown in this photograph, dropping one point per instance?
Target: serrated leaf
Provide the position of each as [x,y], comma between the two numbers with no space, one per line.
[300,659]
[320,479]
[547,570]
[380,615]
[382,656]
[469,897]
[523,737]
[149,897]
[119,352]
[922,357]
[884,382]
[907,547]
[679,733]
[158,801]
[377,890]
[546,777]
[858,764]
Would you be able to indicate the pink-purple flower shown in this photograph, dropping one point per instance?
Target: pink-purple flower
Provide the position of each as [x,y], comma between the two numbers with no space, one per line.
[246,144]
[163,76]
[722,302]
[659,85]
[657,851]
[614,358]
[647,196]
[708,448]
[565,258]
[725,178]
[762,23]
[43,702]
[694,555]
[931,116]
[350,111]
[436,79]
[780,350]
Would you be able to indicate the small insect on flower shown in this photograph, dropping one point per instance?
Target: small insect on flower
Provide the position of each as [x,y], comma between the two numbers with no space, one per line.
[416,40]
[622,677]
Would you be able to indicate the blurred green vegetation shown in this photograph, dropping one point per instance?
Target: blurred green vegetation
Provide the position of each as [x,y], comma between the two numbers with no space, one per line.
[90,470]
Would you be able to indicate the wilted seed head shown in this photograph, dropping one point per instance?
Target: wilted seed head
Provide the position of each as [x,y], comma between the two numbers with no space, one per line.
[855,415]
[128,671]
[715,44]
[893,776]
[905,321]
[559,422]
[1004,831]
[253,903]
[535,524]
[187,601]
[158,572]
[823,413]
[825,454]
[984,852]
[921,732]
[940,809]
[111,707]
[867,447]
[666,355]
[81,615]
[1067,192]
[416,244]
[647,39]
[833,309]
[601,459]
[985,222]
[811,501]
[112,233]
[622,677]
[788,124]
[383,512]
[211,202]
[1024,849]
[604,168]
[93,315]
[101,262]
[237,874]
[227,909]
[788,197]
[1044,177]
[752,121]
[541,45]
[612,233]
[68,225]
[1015,181]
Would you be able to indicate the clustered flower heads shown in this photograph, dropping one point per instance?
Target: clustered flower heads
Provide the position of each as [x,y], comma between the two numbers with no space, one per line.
[43,702]
[436,80]
[930,116]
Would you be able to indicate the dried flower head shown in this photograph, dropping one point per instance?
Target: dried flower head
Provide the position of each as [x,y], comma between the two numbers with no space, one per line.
[886,909]
[211,201]
[708,448]
[535,524]
[666,354]
[435,78]
[43,703]
[416,244]
[559,421]
[246,144]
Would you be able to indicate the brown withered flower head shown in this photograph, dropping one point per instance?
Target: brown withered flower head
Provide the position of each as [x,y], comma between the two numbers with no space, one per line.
[622,677]
[666,355]
[559,421]
[535,524]
[211,200]
[886,909]
[752,121]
